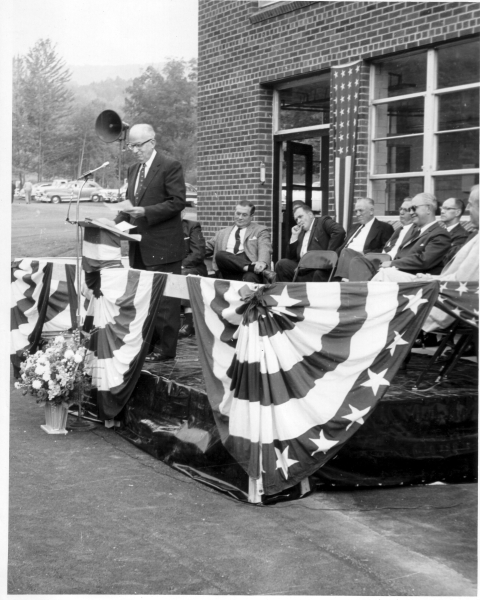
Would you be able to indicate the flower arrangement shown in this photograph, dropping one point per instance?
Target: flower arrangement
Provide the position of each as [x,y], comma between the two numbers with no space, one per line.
[54,373]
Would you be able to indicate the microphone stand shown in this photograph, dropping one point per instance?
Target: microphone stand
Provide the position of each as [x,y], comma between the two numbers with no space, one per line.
[79,424]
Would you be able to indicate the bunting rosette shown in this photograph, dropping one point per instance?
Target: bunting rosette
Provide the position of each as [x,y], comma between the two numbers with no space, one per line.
[293,370]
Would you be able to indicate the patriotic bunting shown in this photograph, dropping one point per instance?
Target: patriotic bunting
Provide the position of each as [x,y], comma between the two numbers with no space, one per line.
[345,95]
[124,319]
[101,249]
[26,314]
[293,370]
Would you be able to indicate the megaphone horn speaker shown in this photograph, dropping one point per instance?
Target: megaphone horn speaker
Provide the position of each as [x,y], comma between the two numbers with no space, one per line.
[109,126]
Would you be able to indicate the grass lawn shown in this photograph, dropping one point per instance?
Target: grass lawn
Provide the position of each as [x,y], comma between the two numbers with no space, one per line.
[39,229]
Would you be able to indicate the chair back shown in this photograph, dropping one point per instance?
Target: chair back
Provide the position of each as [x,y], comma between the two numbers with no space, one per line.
[317,259]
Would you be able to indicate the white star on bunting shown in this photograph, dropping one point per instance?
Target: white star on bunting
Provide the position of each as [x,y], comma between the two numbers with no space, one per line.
[462,288]
[376,380]
[284,301]
[323,445]
[398,341]
[443,286]
[283,462]
[356,416]
[414,301]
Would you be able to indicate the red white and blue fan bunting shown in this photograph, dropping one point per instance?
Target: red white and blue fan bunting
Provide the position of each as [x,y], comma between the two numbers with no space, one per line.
[123,319]
[27,285]
[293,370]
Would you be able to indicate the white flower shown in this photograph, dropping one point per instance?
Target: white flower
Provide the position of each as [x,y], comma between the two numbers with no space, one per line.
[36,384]
[17,385]
[59,339]
[46,376]
[78,358]
[40,369]
[68,353]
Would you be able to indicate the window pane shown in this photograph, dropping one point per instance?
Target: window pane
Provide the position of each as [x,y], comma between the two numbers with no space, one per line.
[458,110]
[399,155]
[305,105]
[400,76]
[389,194]
[458,64]
[403,117]
[454,186]
[299,176]
[458,150]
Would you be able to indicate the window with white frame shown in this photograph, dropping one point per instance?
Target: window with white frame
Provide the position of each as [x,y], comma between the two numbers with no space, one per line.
[425,124]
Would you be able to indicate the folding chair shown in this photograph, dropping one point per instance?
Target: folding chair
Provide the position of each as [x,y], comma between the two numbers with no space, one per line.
[458,337]
[317,259]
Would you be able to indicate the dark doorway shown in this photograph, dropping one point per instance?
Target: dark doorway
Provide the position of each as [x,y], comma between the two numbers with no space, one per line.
[300,174]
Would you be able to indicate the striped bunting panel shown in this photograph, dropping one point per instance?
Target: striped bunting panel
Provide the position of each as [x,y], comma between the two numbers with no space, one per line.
[101,250]
[293,370]
[123,320]
[28,278]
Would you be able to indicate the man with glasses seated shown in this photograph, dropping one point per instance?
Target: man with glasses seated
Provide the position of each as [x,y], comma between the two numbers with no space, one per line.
[242,251]
[423,248]
[450,213]
[156,189]
[369,234]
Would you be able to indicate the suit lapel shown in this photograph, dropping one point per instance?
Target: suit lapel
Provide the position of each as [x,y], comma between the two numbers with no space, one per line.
[415,234]
[393,240]
[372,233]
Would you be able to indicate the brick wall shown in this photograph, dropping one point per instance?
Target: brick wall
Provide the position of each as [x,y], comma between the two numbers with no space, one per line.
[242,47]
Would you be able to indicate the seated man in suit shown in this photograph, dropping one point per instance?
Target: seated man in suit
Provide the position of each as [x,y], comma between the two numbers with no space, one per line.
[422,251]
[192,264]
[243,251]
[363,269]
[368,235]
[310,233]
[450,213]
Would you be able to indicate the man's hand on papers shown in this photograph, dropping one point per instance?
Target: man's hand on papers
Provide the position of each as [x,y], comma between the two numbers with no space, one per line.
[136,211]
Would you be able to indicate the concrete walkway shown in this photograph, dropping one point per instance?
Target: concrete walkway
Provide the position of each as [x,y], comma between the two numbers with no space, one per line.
[91,514]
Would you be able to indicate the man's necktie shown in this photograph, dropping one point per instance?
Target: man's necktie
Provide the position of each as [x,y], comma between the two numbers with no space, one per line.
[354,235]
[237,242]
[140,182]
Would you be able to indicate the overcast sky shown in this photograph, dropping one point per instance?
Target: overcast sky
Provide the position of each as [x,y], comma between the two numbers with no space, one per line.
[107,32]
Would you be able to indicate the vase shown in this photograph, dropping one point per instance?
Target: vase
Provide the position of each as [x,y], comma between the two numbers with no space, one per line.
[55,418]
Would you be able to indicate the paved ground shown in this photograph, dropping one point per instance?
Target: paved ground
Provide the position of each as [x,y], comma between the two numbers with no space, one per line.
[91,514]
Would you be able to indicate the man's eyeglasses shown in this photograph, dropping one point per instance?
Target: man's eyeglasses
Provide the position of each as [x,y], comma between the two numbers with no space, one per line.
[139,145]
[413,208]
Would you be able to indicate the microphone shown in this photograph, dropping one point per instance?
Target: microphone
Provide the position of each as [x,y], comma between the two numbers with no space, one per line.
[88,173]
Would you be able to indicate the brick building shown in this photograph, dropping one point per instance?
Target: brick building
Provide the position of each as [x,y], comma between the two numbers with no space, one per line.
[268,117]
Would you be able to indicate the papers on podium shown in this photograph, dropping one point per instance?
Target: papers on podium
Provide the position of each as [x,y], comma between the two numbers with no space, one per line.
[120,229]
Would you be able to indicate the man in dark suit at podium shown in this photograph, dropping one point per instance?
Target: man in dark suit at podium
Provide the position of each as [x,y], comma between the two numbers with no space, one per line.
[156,188]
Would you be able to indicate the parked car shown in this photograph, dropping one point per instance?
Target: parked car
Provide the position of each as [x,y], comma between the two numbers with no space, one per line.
[69,191]
[106,195]
[191,195]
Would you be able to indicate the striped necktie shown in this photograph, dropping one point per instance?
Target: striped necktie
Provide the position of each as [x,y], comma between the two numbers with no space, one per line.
[140,183]
[236,248]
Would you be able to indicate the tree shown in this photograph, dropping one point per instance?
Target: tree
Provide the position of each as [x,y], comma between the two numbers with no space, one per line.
[168,102]
[41,104]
